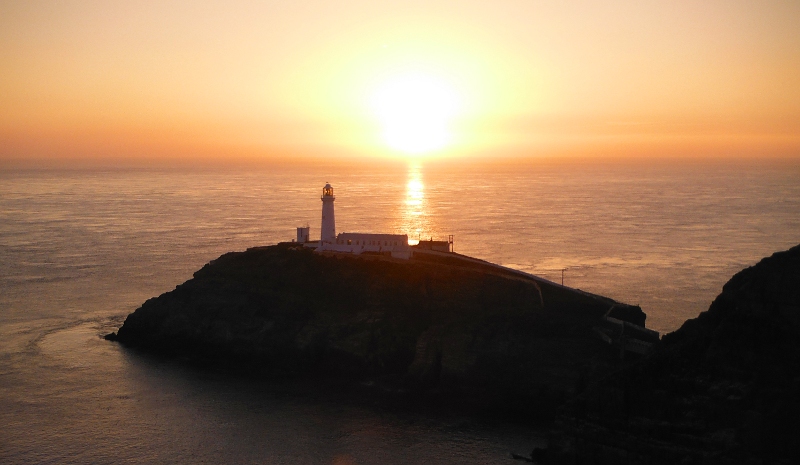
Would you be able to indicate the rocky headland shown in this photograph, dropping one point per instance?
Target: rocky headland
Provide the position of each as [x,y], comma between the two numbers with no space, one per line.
[437,323]
[722,389]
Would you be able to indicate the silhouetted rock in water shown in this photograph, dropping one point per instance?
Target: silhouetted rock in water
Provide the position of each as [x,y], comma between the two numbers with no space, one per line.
[724,388]
[435,323]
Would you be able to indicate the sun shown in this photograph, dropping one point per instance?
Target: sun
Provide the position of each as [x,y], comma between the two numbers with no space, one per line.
[416,112]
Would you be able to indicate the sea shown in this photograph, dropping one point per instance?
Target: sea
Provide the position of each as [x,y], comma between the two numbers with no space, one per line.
[81,248]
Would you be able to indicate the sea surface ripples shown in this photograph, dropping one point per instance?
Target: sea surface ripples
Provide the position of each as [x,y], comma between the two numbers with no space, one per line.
[81,249]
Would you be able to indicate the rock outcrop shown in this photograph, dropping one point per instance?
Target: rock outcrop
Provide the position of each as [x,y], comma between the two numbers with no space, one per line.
[724,388]
[435,322]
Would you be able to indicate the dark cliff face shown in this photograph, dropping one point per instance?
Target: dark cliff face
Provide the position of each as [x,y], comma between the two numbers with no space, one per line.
[724,388]
[433,321]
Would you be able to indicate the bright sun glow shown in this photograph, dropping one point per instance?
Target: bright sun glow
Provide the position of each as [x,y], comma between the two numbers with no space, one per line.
[416,112]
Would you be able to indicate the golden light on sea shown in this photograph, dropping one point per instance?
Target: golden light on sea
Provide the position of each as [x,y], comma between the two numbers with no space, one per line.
[414,218]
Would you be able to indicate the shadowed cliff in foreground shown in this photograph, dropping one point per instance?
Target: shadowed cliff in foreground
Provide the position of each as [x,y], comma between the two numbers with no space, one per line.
[724,388]
[435,323]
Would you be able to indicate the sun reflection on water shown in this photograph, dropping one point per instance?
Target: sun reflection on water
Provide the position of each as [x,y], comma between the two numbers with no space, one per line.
[415,194]
[415,217]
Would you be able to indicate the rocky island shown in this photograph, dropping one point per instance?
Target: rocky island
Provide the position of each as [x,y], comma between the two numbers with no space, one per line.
[436,322]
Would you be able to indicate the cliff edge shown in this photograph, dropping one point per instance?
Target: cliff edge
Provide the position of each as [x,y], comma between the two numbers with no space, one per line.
[724,388]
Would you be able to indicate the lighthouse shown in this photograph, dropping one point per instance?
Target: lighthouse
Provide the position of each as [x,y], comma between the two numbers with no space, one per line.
[394,245]
[328,230]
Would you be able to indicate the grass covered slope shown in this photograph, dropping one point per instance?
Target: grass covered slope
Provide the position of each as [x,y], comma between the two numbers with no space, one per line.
[435,321]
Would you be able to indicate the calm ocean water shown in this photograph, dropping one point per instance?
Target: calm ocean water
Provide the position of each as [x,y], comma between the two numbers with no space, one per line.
[81,249]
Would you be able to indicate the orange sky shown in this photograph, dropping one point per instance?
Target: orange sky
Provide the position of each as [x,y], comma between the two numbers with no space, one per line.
[275,79]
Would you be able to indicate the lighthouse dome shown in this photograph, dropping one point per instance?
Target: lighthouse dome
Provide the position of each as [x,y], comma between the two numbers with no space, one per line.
[327,191]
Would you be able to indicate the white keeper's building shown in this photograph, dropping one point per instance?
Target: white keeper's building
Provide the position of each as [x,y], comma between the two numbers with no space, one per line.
[395,245]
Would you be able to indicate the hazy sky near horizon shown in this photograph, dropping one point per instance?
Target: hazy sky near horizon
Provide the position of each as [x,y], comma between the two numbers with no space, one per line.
[263,79]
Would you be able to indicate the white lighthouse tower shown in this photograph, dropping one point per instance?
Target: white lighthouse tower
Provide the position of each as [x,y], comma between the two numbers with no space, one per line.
[328,231]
